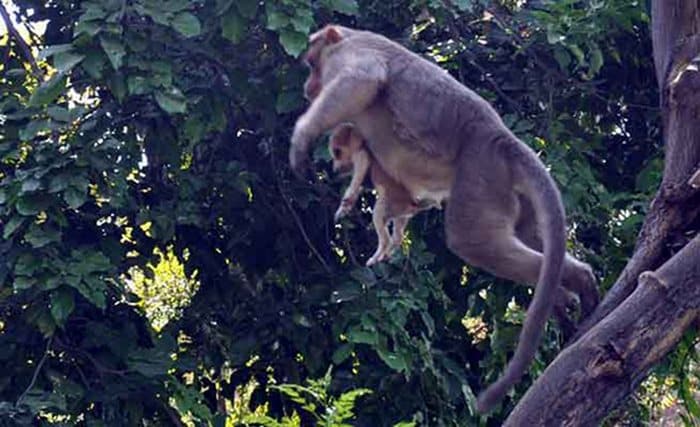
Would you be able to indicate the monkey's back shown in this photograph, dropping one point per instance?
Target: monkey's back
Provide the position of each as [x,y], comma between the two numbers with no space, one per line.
[429,105]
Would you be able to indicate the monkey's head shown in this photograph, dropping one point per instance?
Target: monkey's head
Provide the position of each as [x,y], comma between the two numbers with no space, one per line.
[343,143]
[313,58]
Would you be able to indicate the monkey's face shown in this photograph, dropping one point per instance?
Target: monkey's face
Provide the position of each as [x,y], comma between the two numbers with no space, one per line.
[313,59]
[341,146]
[342,157]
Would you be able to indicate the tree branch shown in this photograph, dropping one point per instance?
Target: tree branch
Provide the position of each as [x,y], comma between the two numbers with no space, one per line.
[39,365]
[590,378]
[23,46]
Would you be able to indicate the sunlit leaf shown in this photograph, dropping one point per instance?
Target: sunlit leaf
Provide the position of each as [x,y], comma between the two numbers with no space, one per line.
[186,24]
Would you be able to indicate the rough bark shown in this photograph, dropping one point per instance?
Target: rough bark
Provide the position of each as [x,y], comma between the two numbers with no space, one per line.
[592,376]
[657,296]
[676,43]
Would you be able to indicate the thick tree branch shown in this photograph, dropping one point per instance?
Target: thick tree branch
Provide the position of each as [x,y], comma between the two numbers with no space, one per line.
[590,378]
[23,46]
[676,204]
[657,296]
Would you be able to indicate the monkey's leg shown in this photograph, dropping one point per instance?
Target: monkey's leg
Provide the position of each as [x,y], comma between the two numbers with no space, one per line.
[577,276]
[400,223]
[360,164]
[381,228]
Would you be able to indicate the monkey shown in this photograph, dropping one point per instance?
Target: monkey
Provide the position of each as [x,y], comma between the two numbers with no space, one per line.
[394,203]
[444,142]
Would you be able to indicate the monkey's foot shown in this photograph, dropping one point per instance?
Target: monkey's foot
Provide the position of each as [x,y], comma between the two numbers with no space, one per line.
[340,213]
[345,207]
[379,256]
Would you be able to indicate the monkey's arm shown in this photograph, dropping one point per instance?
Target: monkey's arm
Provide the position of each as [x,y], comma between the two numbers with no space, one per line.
[350,92]
[360,166]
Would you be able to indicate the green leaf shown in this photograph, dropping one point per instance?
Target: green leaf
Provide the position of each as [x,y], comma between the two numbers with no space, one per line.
[363,337]
[59,113]
[62,305]
[175,5]
[33,129]
[394,360]
[596,61]
[93,11]
[48,91]
[92,289]
[276,18]
[23,282]
[93,64]
[172,101]
[38,236]
[248,8]
[233,26]
[27,265]
[74,197]
[562,57]
[688,395]
[30,185]
[65,61]
[186,24]
[303,21]
[114,49]
[293,42]
[577,52]
[342,353]
[137,85]
[349,7]
[49,51]
[59,182]
[117,85]
[30,205]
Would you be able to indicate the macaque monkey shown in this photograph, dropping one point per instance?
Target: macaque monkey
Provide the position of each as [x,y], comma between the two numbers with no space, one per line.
[394,203]
[442,141]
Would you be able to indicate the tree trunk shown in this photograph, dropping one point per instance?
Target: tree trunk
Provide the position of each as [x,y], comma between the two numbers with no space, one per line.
[657,296]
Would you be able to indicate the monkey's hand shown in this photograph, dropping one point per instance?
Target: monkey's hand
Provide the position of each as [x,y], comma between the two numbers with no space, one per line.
[299,161]
[298,151]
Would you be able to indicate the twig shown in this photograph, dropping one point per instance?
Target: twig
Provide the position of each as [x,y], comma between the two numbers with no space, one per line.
[26,51]
[308,241]
[297,220]
[100,367]
[348,247]
[35,376]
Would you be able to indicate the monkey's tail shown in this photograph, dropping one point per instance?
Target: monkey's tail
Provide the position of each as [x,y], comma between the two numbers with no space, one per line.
[541,190]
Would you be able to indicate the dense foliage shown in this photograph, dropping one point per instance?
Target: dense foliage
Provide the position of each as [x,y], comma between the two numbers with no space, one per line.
[143,163]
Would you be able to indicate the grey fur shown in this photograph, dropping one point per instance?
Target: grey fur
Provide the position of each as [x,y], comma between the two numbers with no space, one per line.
[442,141]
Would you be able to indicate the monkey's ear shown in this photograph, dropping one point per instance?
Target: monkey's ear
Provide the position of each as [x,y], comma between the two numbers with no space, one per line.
[332,35]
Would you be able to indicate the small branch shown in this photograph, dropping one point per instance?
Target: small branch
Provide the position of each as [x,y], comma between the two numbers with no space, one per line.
[39,365]
[98,365]
[300,225]
[297,220]
[24,47]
